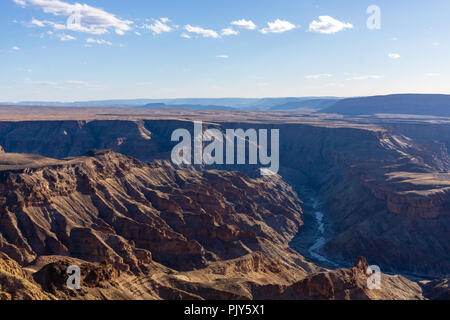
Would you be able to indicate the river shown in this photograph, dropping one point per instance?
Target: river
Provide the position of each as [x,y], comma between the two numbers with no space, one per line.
[320,241]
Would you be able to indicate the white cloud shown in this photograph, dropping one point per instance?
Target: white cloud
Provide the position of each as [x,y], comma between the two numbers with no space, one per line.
[319,76]
[137,33]
[206,33]
[159,26]
[365,77]
[394,56]
[92,20]
[433,74]
[66,37]
[98,41]
[59,26]
[244,24]
[185,35]
[15,48]
[38,23]
[278,26]
[229,32]
[328,25]
[222,56]
[56,26]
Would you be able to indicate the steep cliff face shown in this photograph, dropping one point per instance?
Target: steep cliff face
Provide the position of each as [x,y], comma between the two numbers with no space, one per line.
[109,207]
[426,133]
[386,196]
[60,139]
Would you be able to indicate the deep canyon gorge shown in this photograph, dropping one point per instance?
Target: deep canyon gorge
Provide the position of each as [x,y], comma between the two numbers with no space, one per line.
[100,191]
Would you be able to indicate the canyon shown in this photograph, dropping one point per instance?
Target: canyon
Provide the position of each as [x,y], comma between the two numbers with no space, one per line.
[95,187]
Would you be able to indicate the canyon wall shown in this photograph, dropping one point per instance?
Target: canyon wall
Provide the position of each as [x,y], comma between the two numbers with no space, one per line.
[386,193]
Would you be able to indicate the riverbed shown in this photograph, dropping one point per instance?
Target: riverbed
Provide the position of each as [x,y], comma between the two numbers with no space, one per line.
[320,241]
[313,235]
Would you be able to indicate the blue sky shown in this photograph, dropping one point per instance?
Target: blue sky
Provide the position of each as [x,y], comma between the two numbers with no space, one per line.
[116,49]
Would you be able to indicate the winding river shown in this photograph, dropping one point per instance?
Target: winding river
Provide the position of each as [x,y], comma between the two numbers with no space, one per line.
[321,234]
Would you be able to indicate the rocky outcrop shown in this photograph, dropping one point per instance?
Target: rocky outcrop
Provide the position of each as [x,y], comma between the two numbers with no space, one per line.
[16,283]
[53,277]
[344,284]
[47,279]
[352,284]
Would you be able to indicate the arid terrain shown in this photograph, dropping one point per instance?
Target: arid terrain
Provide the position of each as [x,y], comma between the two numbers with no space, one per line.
[95,187]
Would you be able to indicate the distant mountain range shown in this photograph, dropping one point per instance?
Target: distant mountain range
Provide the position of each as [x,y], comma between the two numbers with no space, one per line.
[306,104]
[133,103]
[419,104]
[195,103]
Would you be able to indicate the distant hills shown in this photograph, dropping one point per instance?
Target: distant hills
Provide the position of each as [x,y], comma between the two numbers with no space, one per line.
[183,106]
[138,103]
[306,104]
[419,104]
[194,103]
